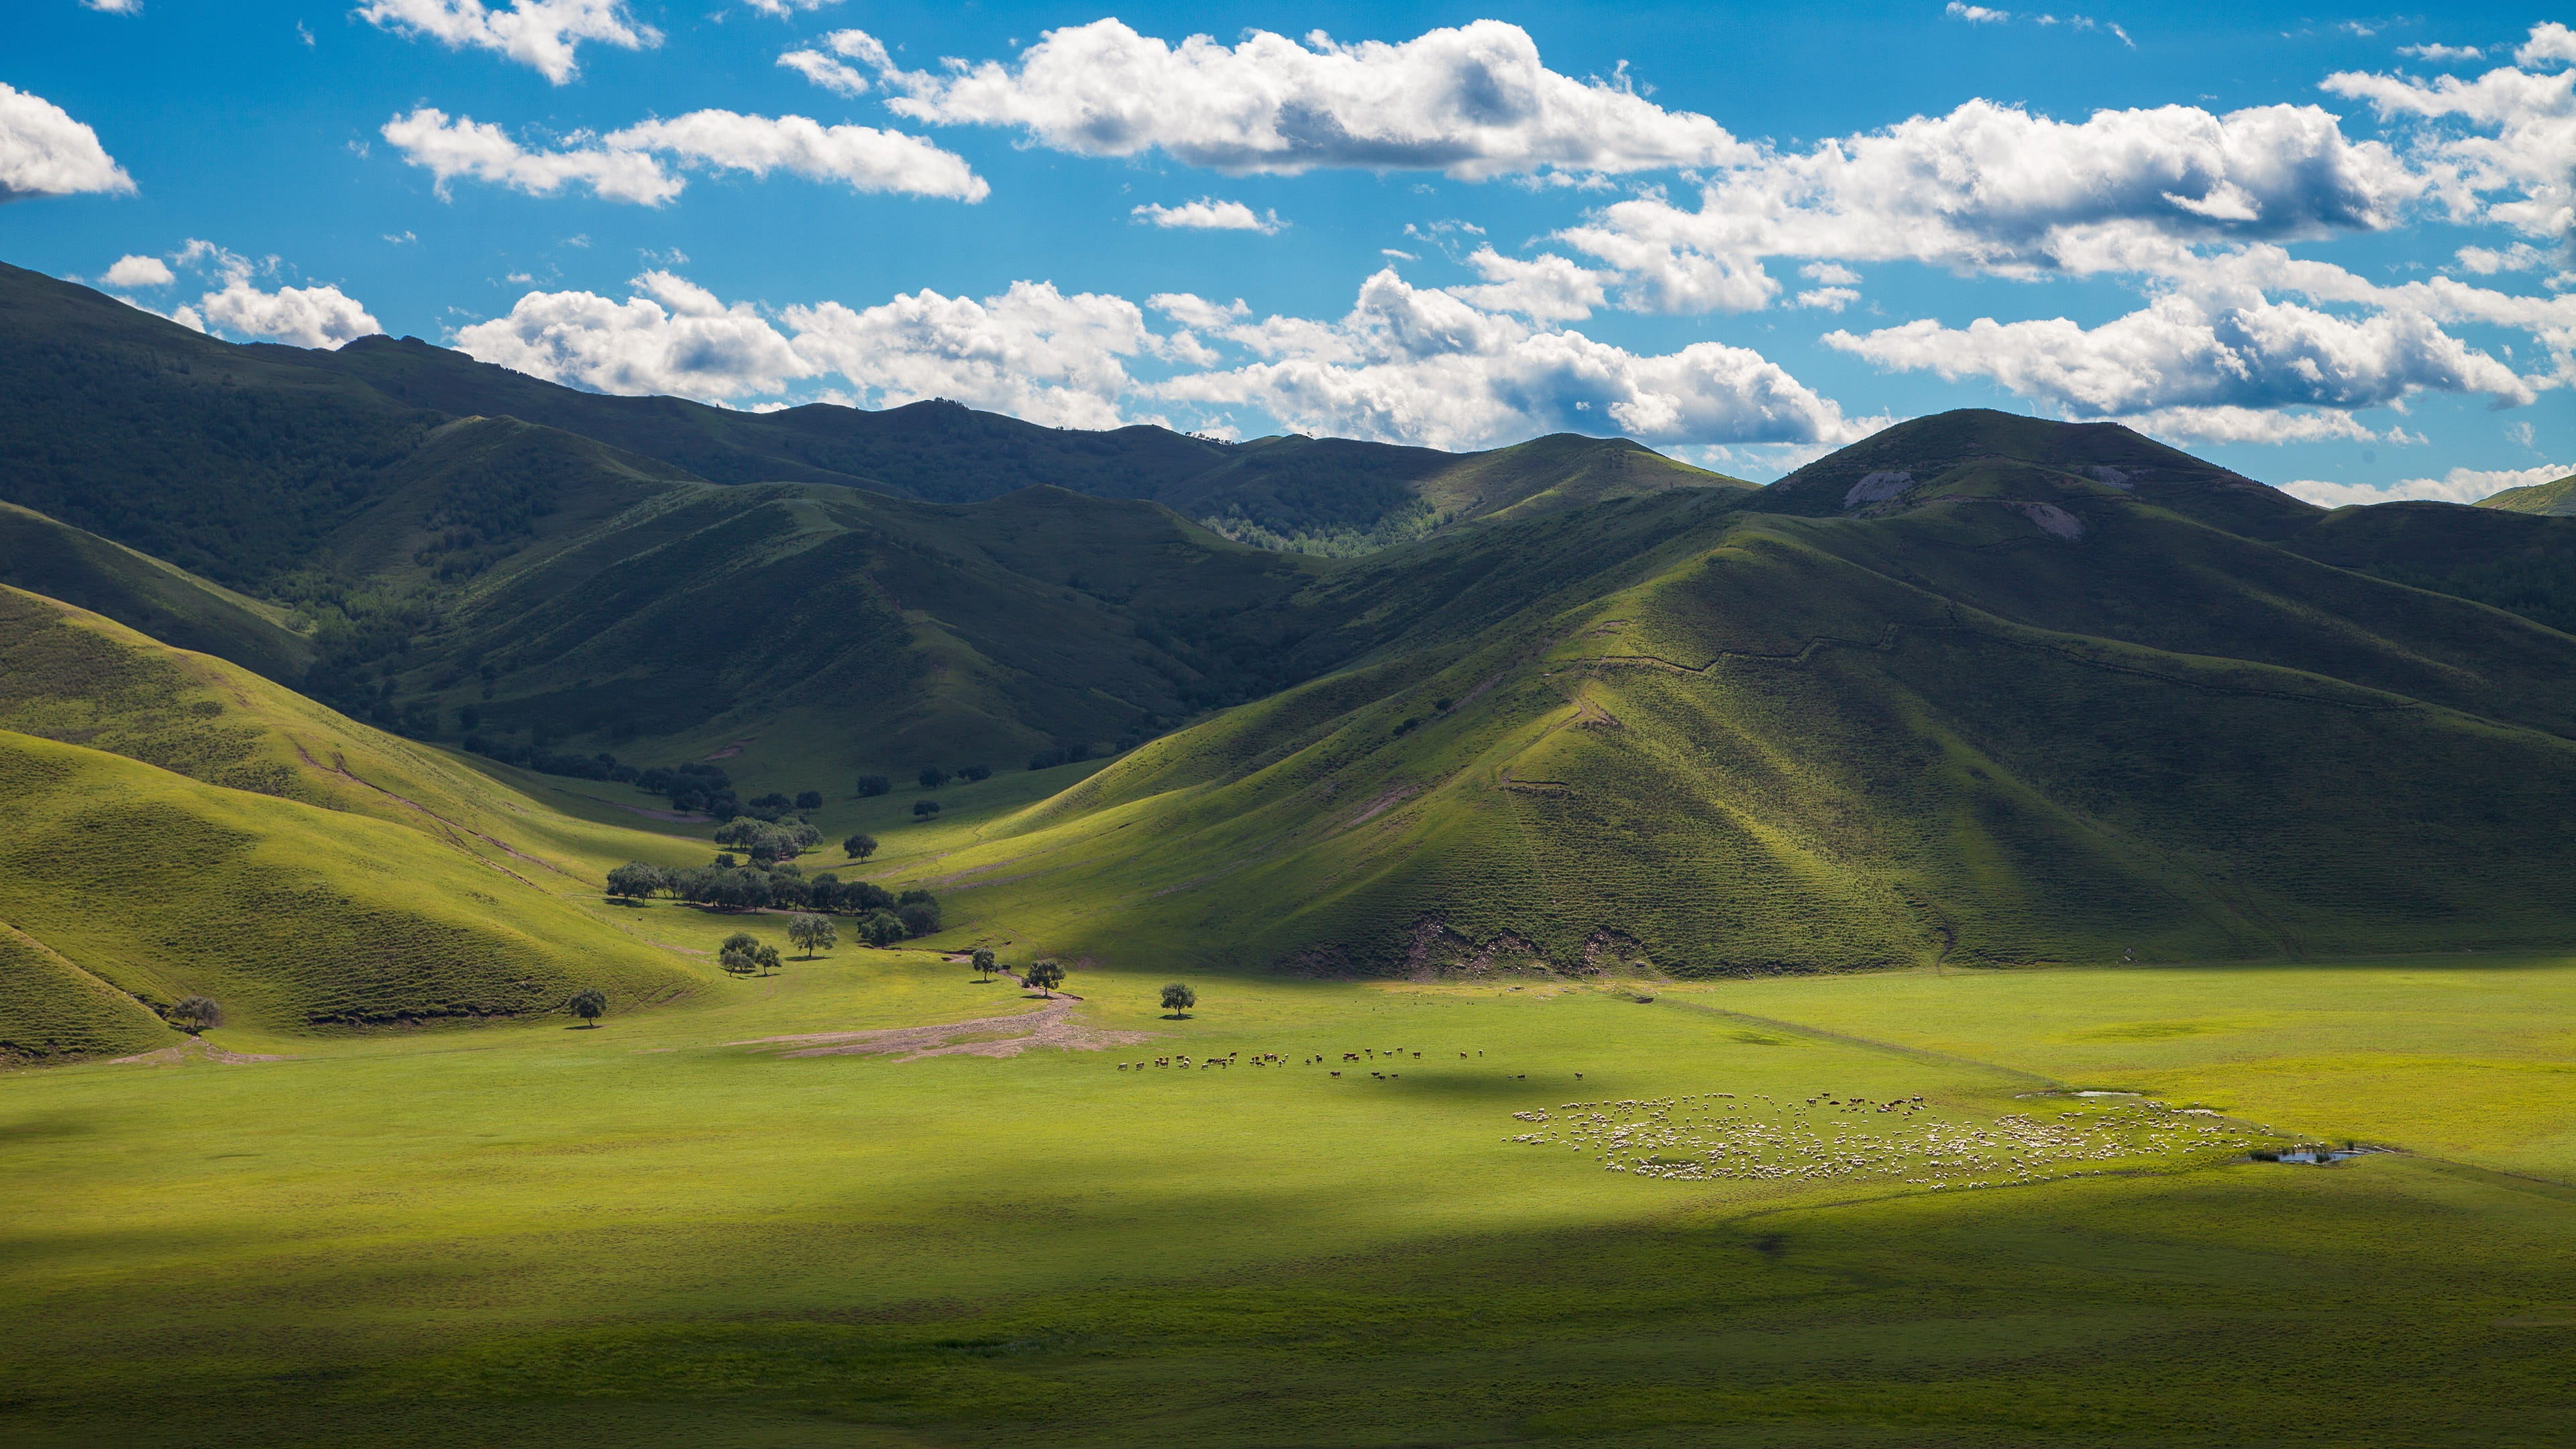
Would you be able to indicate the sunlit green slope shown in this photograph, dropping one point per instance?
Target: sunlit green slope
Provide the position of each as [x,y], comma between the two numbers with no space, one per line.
[2044,722]
[48,557]
[2557,499]
[176,825]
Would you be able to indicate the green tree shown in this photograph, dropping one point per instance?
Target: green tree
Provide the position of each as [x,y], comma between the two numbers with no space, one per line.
[814,933]
[766,958]
[1178,999]
[933,777]
[740,953]
[1046,976]
[984,963]
[590,1004]
[922,809]
[859,847]
[874,785]
[195,1014]
[635,880]
[881,928]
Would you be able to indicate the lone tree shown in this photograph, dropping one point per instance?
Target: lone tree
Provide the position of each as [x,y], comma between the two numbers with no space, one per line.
[859,847]
[1046,976]
[874,785]
[766,958]
[195,1014]
[740,953]
[984,962]
[814,933]
[923,809]
[1178,999]
[932,778]
[590,1004]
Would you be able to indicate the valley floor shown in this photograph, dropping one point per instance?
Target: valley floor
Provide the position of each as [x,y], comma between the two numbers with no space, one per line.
[665,1230]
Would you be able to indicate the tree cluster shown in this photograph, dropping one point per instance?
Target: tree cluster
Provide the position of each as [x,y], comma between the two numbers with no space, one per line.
[694,787]
[1061,755]
[884,917]
[765,842]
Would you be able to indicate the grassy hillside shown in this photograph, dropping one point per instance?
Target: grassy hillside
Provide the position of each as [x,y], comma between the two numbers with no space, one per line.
[47,557]
[53,1011]
[292,917]
[1755,743]
[2557,500]
[176,825]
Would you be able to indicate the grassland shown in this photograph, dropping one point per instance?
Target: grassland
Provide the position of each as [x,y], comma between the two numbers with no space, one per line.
[654,1233]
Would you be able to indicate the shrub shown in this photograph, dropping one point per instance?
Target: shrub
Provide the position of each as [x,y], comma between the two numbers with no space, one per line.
[874,785]
[923,809]
[975,772]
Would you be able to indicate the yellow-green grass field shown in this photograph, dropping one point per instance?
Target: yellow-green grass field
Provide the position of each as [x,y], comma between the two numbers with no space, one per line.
[652,1232]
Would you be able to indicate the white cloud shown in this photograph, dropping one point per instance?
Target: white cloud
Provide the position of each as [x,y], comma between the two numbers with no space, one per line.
[2182,351]
[1474,102]
[1976,14]
[824,71]
[136,271]
[860,157]
[1406,364]
[2194,425]
[2486,261]
[1543,289]
[1031,351]
[2533,121]
[1422,366]
[625,165]
[44,152]
[297,316]
[676,339]
[2460,485]
[482,151]
[2550,42]
[114,7]
[2439,54]
[1830,274]
[1831,299]
[1982,15]
[540,34]
[1209,214]
[783,9]
[1997,189]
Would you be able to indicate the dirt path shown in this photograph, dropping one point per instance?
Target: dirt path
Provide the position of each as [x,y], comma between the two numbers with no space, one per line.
[1051,1025]
[172,1056]
[455,831]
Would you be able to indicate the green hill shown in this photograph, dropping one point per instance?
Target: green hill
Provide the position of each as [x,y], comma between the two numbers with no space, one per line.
[44,556]
[2557,500]
[2057,722]
[175,825]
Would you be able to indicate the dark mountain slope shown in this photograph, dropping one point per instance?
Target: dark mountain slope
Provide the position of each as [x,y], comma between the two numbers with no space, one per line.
[48,557]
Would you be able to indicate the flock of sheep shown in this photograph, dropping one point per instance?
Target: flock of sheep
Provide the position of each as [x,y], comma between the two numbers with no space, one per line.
[1711,1136]
[1273,1059]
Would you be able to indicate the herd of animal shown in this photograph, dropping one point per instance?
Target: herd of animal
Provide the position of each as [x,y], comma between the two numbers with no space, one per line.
[1273,1059]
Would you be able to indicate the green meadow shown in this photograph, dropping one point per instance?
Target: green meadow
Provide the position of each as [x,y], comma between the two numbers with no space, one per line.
[664,1230]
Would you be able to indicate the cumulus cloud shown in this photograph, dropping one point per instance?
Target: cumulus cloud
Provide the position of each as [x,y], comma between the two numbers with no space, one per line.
[482,151]
[1406,364]
[1976,14]
[114,7]
[627,165]
[137,271]
[2460,485]
[297,316]
[1209,214]
[824,71]
[2181,352]
[44,152]
[540,34]
[1995,188]
[2441,54]
[1423,366]
[2511,167]
[1474,102]
[1030,351]
[1543,289]
[784,9]
[676,338]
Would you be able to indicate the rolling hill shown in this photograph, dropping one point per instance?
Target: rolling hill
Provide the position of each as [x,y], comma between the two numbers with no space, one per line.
[2023,715]
[177,825]
[2556,500]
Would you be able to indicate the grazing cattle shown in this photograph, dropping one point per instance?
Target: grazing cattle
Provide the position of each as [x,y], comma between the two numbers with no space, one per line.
[1337,1074]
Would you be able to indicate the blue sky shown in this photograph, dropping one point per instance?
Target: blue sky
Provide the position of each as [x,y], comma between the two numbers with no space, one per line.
[2279,238]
